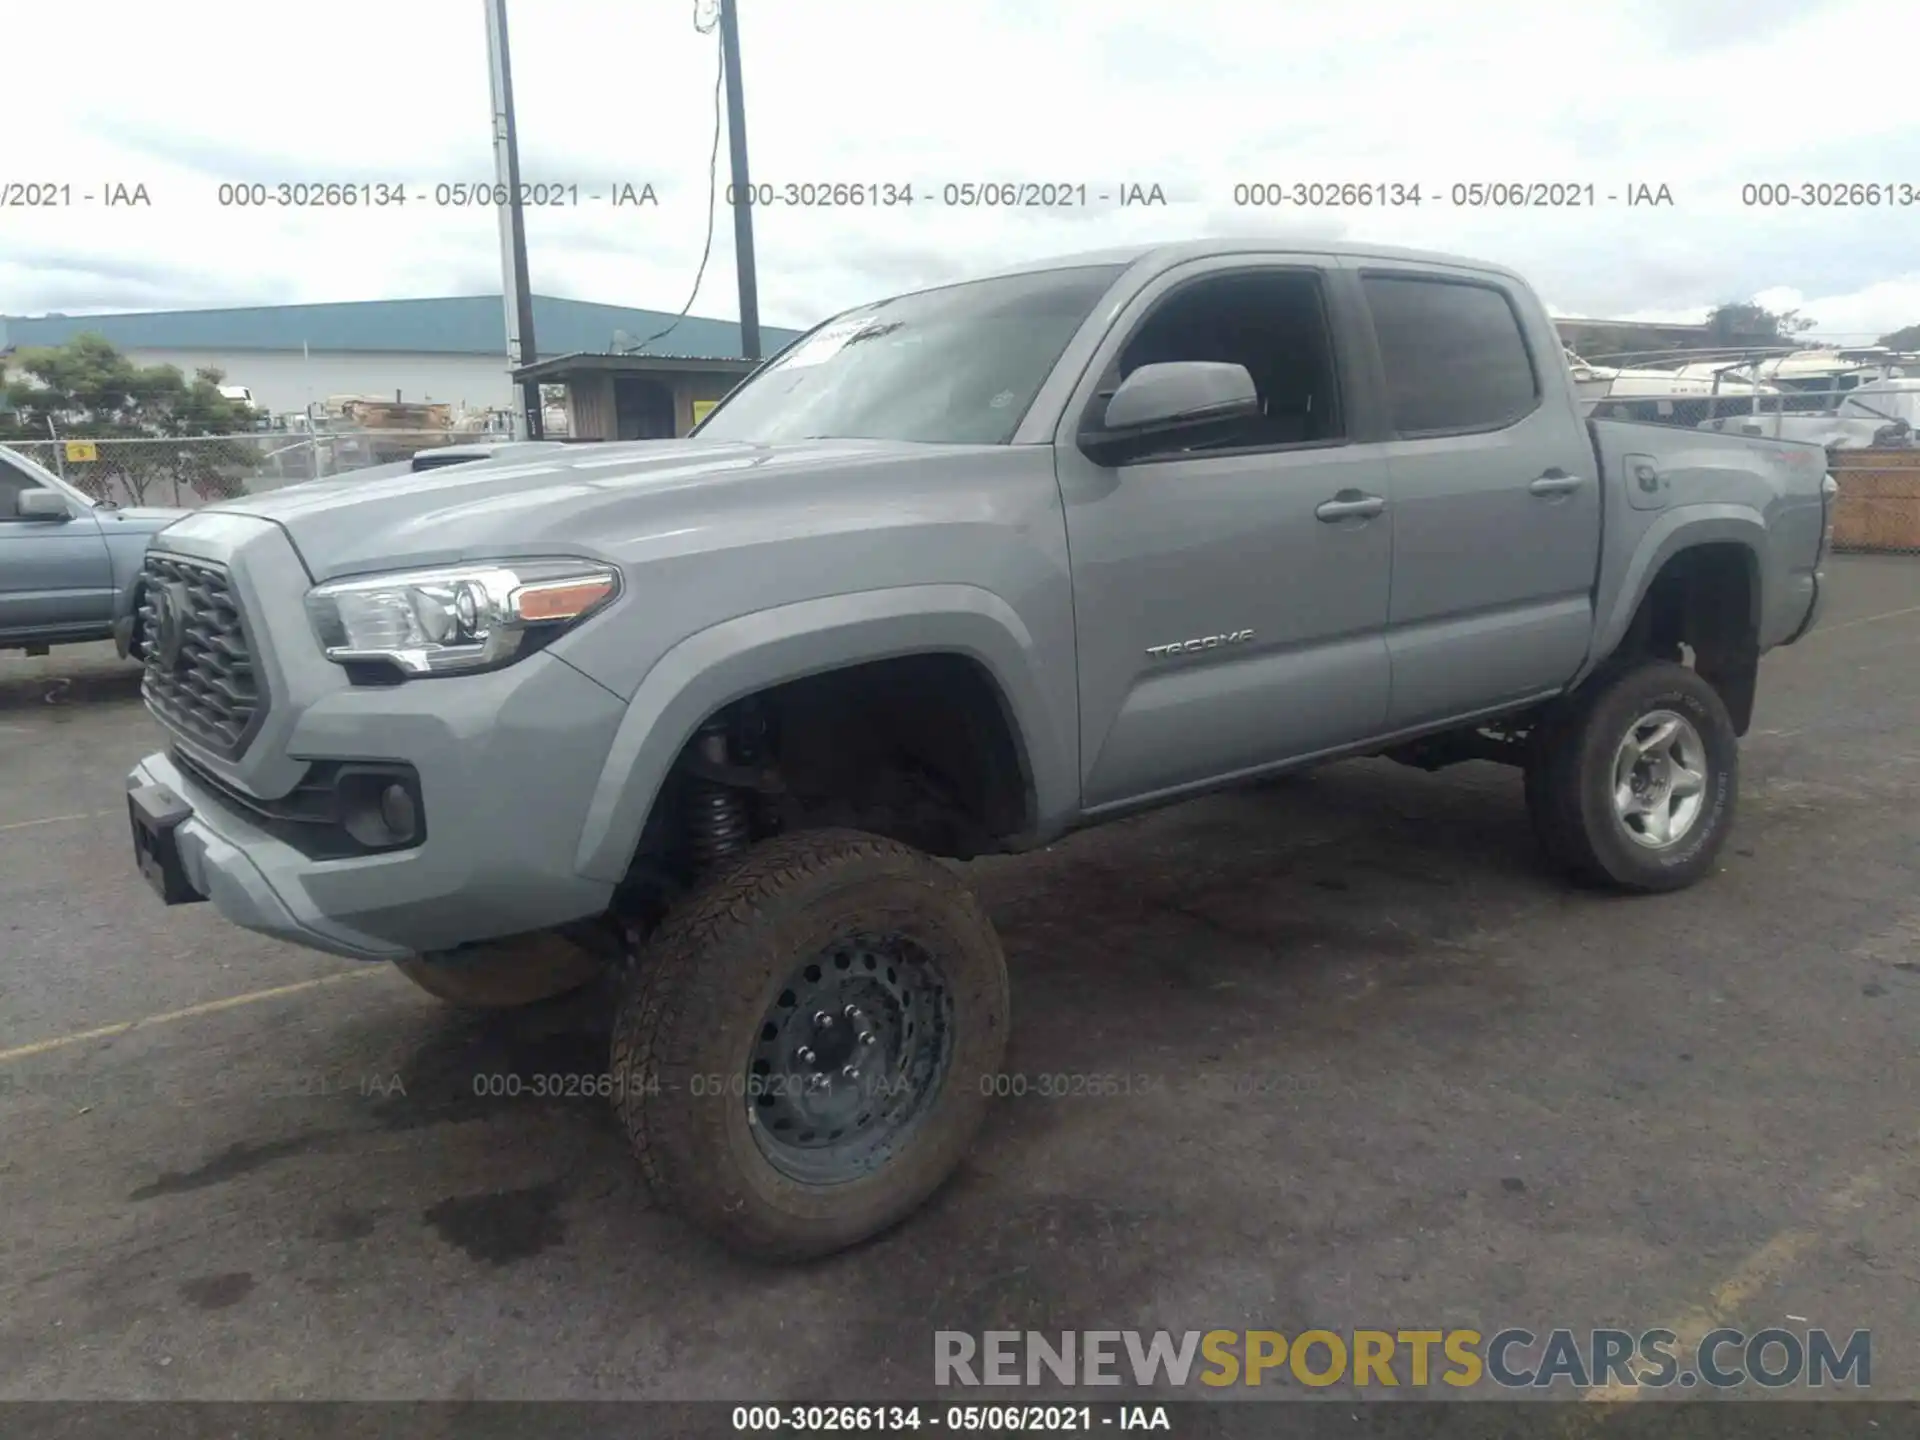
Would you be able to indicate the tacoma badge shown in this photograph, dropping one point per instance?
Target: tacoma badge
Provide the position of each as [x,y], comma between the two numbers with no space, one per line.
[1194,647]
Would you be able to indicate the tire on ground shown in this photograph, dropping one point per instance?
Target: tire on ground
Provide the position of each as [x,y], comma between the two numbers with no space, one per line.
[698,994]
[504,974]
[1546,815]
[1571,789]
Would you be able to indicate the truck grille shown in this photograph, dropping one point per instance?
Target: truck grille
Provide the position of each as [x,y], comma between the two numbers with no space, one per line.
[200,676]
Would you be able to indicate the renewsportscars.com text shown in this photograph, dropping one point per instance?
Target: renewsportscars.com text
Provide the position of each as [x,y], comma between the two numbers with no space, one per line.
[1391,1359]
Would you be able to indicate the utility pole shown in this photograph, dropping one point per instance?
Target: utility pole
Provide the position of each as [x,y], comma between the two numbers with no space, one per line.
[742,210]
[521,349]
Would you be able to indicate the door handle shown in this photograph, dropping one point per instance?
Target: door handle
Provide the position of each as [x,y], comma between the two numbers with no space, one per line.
[1555,482]
[1350,505]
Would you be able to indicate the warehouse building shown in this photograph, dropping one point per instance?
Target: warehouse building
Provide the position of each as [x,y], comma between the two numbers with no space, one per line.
[1582,335]
[450,350]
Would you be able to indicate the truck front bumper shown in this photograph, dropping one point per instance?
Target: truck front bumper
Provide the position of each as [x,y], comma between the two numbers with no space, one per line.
[506,765]
[222,858]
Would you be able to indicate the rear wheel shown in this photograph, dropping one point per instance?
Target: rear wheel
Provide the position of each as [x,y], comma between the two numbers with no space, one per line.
[805,1048]
[504,974]
[1635,783]
[1543,812]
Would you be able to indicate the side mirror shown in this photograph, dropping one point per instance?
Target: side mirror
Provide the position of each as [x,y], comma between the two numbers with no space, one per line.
[1187,402]
[41,505]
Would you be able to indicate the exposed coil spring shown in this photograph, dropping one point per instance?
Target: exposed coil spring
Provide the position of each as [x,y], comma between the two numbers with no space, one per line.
[719,821]
[750,749]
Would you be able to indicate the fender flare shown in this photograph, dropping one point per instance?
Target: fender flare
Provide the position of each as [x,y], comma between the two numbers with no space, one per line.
[1677,530]
[734,658]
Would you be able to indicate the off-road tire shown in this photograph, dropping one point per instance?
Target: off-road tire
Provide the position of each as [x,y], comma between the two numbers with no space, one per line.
[1570,779]
[691,1006]
[1549,822]
[504,974]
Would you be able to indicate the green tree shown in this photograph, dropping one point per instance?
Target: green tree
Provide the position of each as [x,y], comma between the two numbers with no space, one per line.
[1741,322]
[1905,338]
[1606,345]
[86,389]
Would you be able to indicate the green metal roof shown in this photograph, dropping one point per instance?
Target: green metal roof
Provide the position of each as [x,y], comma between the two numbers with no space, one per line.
[454,325]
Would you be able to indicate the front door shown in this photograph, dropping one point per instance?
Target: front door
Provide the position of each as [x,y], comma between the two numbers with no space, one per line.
[1224,625]
[642,409]
[55,576]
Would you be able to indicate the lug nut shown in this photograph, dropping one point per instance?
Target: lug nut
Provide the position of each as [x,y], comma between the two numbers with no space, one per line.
[823,1019]
[852,1072]
[806,1055]
[867,1037]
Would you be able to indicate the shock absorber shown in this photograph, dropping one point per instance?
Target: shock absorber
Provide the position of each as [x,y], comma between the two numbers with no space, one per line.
[719,822]
[750,750]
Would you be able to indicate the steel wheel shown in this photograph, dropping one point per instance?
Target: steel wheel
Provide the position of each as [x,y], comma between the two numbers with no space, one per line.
[788,1156]
[1659,779]
[1635,781]
[848,1058]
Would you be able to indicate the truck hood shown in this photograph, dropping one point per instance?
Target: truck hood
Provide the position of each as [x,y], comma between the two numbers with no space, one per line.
[139,519]
[571,501]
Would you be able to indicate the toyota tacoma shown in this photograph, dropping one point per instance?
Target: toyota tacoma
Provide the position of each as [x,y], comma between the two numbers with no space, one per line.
[66,559]
[955,573]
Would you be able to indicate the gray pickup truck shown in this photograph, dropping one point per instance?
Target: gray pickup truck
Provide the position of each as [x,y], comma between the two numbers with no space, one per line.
[65,560]
[956,573]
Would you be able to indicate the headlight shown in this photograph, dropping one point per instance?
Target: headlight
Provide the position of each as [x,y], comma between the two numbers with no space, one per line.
[461,618]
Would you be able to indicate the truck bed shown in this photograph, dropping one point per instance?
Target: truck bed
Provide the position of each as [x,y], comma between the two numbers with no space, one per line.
[1751,490]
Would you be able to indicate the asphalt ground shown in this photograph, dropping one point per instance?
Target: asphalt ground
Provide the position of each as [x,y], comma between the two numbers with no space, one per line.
[1375,1067]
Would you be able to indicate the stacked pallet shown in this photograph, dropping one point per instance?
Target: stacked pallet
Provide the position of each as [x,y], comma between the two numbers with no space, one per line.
[1879,502]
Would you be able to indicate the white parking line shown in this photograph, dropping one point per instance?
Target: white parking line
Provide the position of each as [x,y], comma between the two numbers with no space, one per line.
[211,1007]
[1864,620]
[53,820]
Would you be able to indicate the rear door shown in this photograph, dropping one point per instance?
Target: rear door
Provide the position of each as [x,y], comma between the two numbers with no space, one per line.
[1496,496]
[55,576]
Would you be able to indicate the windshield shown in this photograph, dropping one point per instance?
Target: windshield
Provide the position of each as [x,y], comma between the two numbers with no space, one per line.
[1901,404]
[954,366]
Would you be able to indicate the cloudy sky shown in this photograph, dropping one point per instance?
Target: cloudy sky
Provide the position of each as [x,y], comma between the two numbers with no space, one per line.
[1702,96]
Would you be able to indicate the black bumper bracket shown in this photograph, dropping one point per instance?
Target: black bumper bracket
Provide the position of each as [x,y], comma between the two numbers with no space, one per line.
[155,813]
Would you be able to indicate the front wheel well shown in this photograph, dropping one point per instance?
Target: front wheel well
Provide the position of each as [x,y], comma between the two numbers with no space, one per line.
[1703,604]
[920,748]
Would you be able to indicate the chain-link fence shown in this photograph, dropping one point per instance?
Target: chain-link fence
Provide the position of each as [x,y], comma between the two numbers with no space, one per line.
[199,469]
[1873,451]
[1878,508]
[1857,418]
[1868,430]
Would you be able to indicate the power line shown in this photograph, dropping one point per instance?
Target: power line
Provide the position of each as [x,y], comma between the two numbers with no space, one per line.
[713,178]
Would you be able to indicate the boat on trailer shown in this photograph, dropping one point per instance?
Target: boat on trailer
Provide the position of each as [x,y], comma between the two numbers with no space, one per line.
[1662,392]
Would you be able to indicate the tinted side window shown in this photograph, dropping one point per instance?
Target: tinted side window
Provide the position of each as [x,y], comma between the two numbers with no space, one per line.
[1271,321]
[1454,355]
